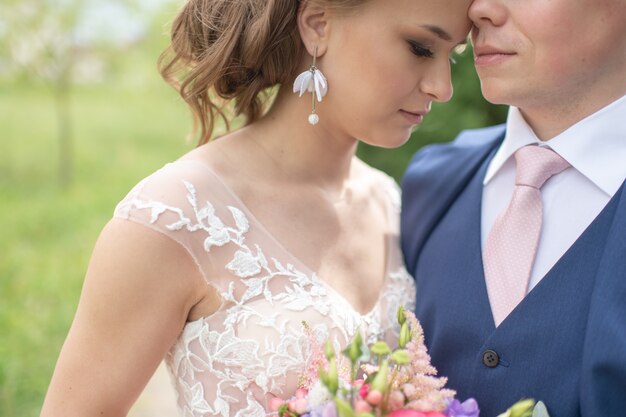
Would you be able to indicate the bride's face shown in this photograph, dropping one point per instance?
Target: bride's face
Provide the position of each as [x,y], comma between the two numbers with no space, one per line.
[386,62]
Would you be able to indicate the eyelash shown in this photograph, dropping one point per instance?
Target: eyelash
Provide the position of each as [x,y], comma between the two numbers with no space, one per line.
[421,50]
[424,52]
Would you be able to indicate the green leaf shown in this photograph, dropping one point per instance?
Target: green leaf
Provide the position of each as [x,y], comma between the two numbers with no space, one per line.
[354,350]
[380,348]
[343,408]
[333,377]
[380,379]
[400,315]
[283,409]
[358,339]
[401,357]
[405,335]
[329,351]
[365,415]
[323,377]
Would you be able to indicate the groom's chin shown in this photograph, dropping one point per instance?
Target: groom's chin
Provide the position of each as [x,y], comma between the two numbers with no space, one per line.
[499,91]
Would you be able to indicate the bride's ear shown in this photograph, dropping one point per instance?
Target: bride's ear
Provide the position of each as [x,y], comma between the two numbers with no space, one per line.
[314,26]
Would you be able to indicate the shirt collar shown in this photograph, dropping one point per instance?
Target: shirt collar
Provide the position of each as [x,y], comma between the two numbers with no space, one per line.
[595,146]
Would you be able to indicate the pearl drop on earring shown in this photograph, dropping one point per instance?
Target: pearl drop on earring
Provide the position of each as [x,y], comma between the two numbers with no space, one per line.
[313,81]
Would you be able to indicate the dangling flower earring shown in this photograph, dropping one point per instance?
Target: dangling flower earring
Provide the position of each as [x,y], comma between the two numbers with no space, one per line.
[313,81]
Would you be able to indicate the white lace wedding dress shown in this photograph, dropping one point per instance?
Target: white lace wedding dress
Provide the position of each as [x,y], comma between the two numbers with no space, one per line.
[255,345]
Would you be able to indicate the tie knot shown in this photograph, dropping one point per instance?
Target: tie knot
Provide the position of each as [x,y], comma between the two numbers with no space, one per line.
[535,165]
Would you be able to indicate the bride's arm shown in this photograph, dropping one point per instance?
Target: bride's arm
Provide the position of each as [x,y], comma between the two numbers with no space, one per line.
[139,289]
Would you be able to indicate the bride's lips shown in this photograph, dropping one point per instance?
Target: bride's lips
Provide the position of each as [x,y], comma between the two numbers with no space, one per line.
[489,55]
[415,117]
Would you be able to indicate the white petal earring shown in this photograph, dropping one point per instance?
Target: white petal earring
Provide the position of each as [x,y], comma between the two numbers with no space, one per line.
[313,81]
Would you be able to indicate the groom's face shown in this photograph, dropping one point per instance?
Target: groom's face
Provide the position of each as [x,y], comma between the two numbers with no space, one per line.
[543,54]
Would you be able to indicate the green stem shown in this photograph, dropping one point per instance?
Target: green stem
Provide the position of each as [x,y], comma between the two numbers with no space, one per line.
[352,378]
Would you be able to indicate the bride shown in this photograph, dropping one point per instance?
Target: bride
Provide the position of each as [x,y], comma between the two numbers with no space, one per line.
[214,261]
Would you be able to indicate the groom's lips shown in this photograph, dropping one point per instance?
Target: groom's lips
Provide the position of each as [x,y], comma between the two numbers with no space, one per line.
[490,55]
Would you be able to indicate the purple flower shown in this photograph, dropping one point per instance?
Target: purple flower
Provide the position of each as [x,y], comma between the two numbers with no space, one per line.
[469,408]
[326,410]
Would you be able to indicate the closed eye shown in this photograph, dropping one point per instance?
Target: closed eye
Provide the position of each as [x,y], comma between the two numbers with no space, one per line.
[423,51]
[420,50]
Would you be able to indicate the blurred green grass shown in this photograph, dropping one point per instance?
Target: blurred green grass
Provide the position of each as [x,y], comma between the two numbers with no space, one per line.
[47,232]
[125,128]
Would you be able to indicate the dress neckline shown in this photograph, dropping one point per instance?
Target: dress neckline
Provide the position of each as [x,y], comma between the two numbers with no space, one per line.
[302,265]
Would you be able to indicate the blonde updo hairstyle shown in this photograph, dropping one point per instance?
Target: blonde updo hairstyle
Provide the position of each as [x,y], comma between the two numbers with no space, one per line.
[226,52]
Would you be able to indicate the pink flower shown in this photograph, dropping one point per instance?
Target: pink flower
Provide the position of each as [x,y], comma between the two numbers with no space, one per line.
[374,397]
[292,405]
[414,413]
[300,406]
[301,393]
[364,390]
[396,400]
[362,406]
[275,403]
[407,413]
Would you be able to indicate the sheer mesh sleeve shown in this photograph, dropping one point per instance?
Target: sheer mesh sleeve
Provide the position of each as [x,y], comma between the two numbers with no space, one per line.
[175,201]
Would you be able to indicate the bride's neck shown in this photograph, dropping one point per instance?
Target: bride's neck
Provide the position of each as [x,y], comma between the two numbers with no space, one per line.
[316,155]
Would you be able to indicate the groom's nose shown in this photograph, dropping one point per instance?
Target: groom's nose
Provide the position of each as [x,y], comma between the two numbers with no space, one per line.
[488,12]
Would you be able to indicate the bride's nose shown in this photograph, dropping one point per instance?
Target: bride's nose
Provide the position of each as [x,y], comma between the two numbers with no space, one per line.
[437,82]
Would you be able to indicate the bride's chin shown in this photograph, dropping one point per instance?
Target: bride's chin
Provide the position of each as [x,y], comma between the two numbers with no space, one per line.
[391,141]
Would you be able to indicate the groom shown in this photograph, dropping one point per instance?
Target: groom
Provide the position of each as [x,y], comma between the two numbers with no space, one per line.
[516,234]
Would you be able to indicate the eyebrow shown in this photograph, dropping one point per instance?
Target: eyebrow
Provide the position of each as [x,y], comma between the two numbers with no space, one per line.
[438,31]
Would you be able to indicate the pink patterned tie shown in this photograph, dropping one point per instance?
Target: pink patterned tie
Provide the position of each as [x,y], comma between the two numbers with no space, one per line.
[511,246]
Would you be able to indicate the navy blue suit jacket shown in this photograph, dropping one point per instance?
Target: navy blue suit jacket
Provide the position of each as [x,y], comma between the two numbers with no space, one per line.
[565,343]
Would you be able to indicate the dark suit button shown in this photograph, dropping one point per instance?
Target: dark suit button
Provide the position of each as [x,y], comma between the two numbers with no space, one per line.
[490,358]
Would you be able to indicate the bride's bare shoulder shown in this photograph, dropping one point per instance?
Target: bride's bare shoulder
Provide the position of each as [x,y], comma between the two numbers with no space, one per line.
[223,155]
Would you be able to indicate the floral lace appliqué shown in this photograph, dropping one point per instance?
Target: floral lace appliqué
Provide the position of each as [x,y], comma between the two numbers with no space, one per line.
[227,364]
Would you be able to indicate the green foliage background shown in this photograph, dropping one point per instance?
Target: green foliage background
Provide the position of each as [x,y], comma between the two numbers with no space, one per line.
[125,127]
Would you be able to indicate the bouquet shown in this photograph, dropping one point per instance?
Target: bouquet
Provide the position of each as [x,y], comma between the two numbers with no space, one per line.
[377,381]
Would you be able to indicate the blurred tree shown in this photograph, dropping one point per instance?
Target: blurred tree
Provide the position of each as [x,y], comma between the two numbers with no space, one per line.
[40,44]
[62,42]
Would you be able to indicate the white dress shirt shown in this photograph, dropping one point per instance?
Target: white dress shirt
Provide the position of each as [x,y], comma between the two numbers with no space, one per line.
[595,147]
